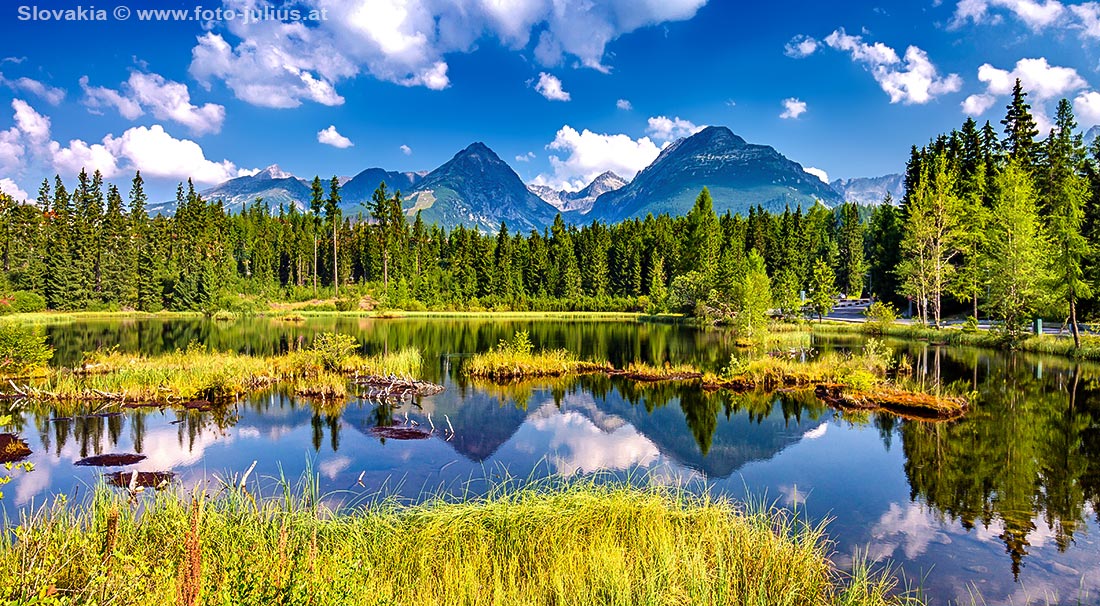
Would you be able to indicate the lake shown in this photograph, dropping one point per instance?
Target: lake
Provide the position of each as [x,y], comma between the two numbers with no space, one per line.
[1003,502]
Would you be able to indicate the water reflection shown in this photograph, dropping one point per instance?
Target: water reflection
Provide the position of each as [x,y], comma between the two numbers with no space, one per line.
[1004,500]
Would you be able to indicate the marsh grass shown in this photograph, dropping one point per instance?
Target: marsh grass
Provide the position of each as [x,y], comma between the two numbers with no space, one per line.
[198,373]
[554,542]
[1059,345]
[517,358]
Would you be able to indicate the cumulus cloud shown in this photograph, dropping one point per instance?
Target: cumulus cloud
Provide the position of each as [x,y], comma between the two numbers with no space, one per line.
[34,126]
[1042,81]
[405,149]
[549,86]
[329,136]
[1088,19]
[165,99]
[149,149]
[277,64]
[820,174]
[624,105]
[793,108]
[665,129]
[11,150]
[525,157]
[47,93]
[800,47]
[1087,108]
[912,79]
[1037,15]
[1039,78]
[584,155]
[12,189]
[157,154]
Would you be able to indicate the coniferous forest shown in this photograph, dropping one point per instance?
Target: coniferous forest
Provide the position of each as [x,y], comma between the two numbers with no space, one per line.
[997,221]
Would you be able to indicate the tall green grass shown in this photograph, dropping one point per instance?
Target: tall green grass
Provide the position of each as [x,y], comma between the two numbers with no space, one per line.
[517,358]
[564,544]
[198,373]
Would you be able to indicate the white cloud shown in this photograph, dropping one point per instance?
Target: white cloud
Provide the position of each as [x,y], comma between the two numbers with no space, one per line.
[873,54]
[664,129]
[96,97]
[277,64]
[47,93]
[1035,14]
[912,79]
[165,99]
[1087,108]
[976,105]
[525,157]
[624,105]
[792,109]
[329,136]
[12,189]
[405,149]
[800,46]
[1088,18]
[549,86]
[1040,79]
[157,154]
[34,126]
[149,149]
[820,174]
[919,82]
[79,155]
[587,154]
[11,150]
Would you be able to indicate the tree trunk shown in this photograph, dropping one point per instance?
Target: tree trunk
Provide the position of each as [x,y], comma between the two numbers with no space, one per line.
[315,266]
[335,263]
[1073,323]
[974,301]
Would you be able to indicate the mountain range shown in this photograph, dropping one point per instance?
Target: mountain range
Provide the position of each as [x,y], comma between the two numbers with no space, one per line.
[476,188]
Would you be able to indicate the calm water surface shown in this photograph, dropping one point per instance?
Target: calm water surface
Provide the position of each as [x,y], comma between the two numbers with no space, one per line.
[1003,502]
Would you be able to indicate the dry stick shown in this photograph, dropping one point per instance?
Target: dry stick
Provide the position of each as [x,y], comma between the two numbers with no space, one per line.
[247,473]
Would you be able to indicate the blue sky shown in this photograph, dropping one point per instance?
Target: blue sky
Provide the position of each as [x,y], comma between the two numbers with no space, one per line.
[561,89]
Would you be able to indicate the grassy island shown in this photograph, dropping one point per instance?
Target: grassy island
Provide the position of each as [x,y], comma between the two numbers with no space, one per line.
[322,370]
[578,544]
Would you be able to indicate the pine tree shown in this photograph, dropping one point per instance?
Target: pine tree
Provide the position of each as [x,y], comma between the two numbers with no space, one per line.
[1020,128]
[850,246]
[116,276]
[60,281]
[316,207]
[332,219]
[755,298]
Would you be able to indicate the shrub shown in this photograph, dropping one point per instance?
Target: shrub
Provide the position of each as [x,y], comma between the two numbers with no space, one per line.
[520,344]
[334,349]
[970,325]
[347,304]
[21,302]
[22,350]
[880,316]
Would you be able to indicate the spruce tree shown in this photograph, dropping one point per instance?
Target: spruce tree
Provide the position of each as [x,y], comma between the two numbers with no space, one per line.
[1020,129]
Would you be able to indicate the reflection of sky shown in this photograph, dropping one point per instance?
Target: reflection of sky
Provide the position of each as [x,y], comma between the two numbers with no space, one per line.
[825,468]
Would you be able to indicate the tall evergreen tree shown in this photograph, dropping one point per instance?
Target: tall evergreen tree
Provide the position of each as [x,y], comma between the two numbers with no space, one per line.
[1020,128]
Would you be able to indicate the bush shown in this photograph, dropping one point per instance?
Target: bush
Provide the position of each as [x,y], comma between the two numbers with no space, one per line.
[880,316]
[334,349]
[22,350]
[519,345]
[21,302]
[970,324]
[347,304]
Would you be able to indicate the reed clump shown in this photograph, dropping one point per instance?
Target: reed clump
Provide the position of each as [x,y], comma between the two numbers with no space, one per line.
[517,358]
[198,373]
[566,544]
